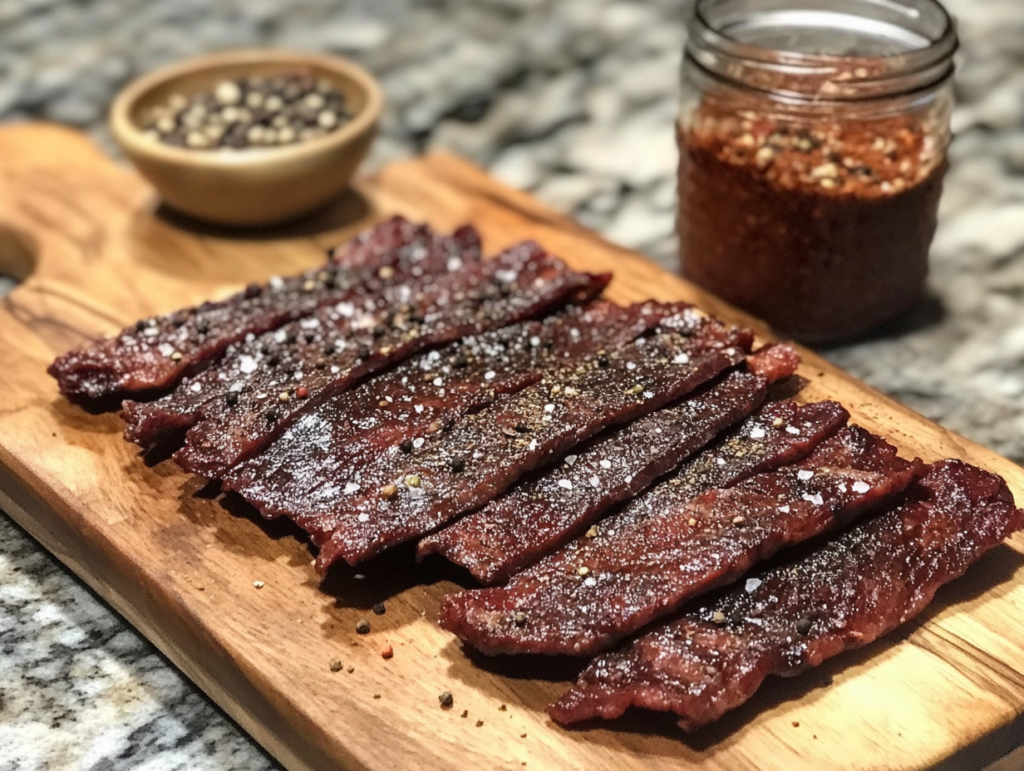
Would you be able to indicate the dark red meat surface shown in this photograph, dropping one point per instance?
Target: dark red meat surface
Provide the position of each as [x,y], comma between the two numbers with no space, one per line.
[522,283]
[398,237]
[154,354]
[303,475]
[482,455]
[601,588]
[845,594]
[544,512]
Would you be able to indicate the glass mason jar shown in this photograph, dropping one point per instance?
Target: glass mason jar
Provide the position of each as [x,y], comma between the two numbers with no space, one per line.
[812,138]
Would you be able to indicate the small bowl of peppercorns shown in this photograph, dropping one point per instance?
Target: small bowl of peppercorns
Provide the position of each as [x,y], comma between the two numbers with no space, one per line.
[252,137]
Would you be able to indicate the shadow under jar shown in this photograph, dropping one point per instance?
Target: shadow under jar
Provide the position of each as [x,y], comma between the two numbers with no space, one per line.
[812,138]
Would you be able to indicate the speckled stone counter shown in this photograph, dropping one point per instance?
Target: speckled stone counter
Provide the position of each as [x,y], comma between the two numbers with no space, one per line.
[573,100]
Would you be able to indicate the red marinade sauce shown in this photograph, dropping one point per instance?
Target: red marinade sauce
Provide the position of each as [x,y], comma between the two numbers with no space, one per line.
[822,230]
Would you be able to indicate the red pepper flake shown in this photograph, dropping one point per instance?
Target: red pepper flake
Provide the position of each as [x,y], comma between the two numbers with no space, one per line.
[386,651]
[301,392]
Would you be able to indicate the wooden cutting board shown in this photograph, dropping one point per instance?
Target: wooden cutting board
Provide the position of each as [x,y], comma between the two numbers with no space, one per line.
[98,253]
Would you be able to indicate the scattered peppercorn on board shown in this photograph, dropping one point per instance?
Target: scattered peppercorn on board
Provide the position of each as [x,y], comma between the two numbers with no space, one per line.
[235,603]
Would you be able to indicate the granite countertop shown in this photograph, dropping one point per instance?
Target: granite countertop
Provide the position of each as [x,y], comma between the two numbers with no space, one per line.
[573,100]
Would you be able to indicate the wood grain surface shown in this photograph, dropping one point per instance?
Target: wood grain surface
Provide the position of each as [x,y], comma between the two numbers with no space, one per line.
[98,252]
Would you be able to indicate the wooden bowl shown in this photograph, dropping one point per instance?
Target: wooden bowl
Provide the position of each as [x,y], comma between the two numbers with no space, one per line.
[249,186]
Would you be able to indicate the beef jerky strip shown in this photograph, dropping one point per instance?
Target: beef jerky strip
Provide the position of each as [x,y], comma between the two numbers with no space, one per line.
[484,454]
[597,590]
[305,472]
[845,594]
[379,321]
[543,513]
[361,332]
[155,353]
[399,238]
[522,283]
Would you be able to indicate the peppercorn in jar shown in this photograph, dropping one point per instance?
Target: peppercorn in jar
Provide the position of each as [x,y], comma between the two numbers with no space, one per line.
[813,138]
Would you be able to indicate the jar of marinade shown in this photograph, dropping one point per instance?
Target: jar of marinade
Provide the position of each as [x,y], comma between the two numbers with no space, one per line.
[812,143]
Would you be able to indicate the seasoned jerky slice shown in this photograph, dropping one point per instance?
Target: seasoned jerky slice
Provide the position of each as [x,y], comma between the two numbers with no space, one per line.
[484,454]
[399,238]
[543,513]
[599,589]
[155,353]
[843,595]
[303,475]
[522,283]
[382,320]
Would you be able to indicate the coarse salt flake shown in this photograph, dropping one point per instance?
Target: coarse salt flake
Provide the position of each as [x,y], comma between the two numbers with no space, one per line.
[681,358]
[196,388]
[351,487]
[752,584]
[804,474]
[861,487]
[246,365]
[816,499]
[570,459]
[595,482]
[565,484]
[793,430]
[418,442]
[438,381]
[630,365]
[549,408]
[489,375]
[757,433]
[364,517]
[784,508]
[606,463]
